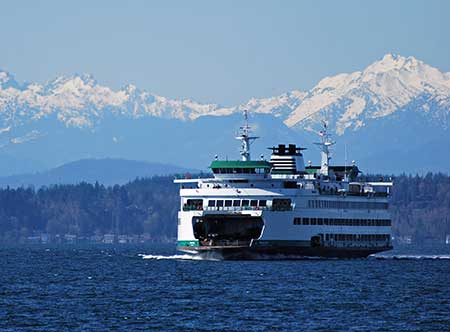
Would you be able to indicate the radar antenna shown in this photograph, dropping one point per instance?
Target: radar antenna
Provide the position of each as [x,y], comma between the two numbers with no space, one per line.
[245,138]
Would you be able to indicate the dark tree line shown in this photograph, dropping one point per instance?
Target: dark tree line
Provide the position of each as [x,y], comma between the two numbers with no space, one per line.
[420,208]
[144,206]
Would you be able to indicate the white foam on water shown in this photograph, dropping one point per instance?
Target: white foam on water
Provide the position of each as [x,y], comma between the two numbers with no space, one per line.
[216,257]
[185,257]
[412,257]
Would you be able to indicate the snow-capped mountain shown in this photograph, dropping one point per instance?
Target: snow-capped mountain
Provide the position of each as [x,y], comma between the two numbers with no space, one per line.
[73,117]
[79,101]
[392,84]
[345,100]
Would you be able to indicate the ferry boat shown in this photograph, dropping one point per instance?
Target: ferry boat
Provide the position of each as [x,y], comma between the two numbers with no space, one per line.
[282,208]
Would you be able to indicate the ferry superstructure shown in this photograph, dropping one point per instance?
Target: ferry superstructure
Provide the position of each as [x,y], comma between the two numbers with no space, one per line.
[282,207]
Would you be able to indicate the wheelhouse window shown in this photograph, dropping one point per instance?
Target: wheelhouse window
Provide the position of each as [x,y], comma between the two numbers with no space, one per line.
[193,204]
[212,203]
[219,203]
[262,202]
[245,202]
[236,203]
[228,203]
[254,202]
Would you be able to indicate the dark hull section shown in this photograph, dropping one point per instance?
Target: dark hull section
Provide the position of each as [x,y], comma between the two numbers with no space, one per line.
[282,253]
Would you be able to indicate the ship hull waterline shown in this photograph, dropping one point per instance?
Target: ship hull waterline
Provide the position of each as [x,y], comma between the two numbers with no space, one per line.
[279,252]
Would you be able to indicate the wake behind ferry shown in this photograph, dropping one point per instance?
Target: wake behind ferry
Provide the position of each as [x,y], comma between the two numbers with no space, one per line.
[283,208]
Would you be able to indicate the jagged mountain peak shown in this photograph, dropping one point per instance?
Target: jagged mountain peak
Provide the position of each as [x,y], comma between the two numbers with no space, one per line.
[388,85]
[77,81]
[394,62]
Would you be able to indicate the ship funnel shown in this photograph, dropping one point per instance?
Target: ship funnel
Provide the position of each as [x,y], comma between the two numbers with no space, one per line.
[287,159]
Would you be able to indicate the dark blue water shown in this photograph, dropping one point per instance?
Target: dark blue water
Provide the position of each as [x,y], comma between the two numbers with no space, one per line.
[117,289]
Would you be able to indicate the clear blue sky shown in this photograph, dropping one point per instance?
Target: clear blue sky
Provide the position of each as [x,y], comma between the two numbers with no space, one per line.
[211,51]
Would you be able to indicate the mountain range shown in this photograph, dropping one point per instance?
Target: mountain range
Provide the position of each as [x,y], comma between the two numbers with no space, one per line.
[391,117]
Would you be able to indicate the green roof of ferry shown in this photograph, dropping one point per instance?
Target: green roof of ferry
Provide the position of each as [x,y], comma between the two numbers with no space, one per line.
[239,164]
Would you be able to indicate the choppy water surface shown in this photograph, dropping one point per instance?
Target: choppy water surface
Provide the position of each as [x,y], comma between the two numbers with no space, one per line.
[153,288]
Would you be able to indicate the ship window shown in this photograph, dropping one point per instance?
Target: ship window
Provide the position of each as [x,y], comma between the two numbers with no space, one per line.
[281,204]
[305,221]
[262,202]
[236,202]
[211,203]
[253,202]
[228,202]
[245,202]
[319,221]
[219,203]
[196,204]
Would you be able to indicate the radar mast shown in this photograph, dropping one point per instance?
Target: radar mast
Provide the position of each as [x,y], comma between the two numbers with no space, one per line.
[245,138]
[324,144]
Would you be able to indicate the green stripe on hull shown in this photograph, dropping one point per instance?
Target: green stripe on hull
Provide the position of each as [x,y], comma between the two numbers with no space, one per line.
[188,243]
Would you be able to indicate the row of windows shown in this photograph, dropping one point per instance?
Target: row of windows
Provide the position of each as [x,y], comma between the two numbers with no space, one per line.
[237,203]
[357,237]
[321,204]
[342,222]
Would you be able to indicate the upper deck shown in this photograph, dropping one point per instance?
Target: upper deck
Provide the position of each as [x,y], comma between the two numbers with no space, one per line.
[285,174]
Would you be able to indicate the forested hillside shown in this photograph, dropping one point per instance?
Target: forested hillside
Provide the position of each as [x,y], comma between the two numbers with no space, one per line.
[146,209]
[421,207]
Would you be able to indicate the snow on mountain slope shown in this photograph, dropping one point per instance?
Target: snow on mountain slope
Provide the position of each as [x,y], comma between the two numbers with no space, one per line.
[345,101]
[392,84]
[280,106]
[79,101]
